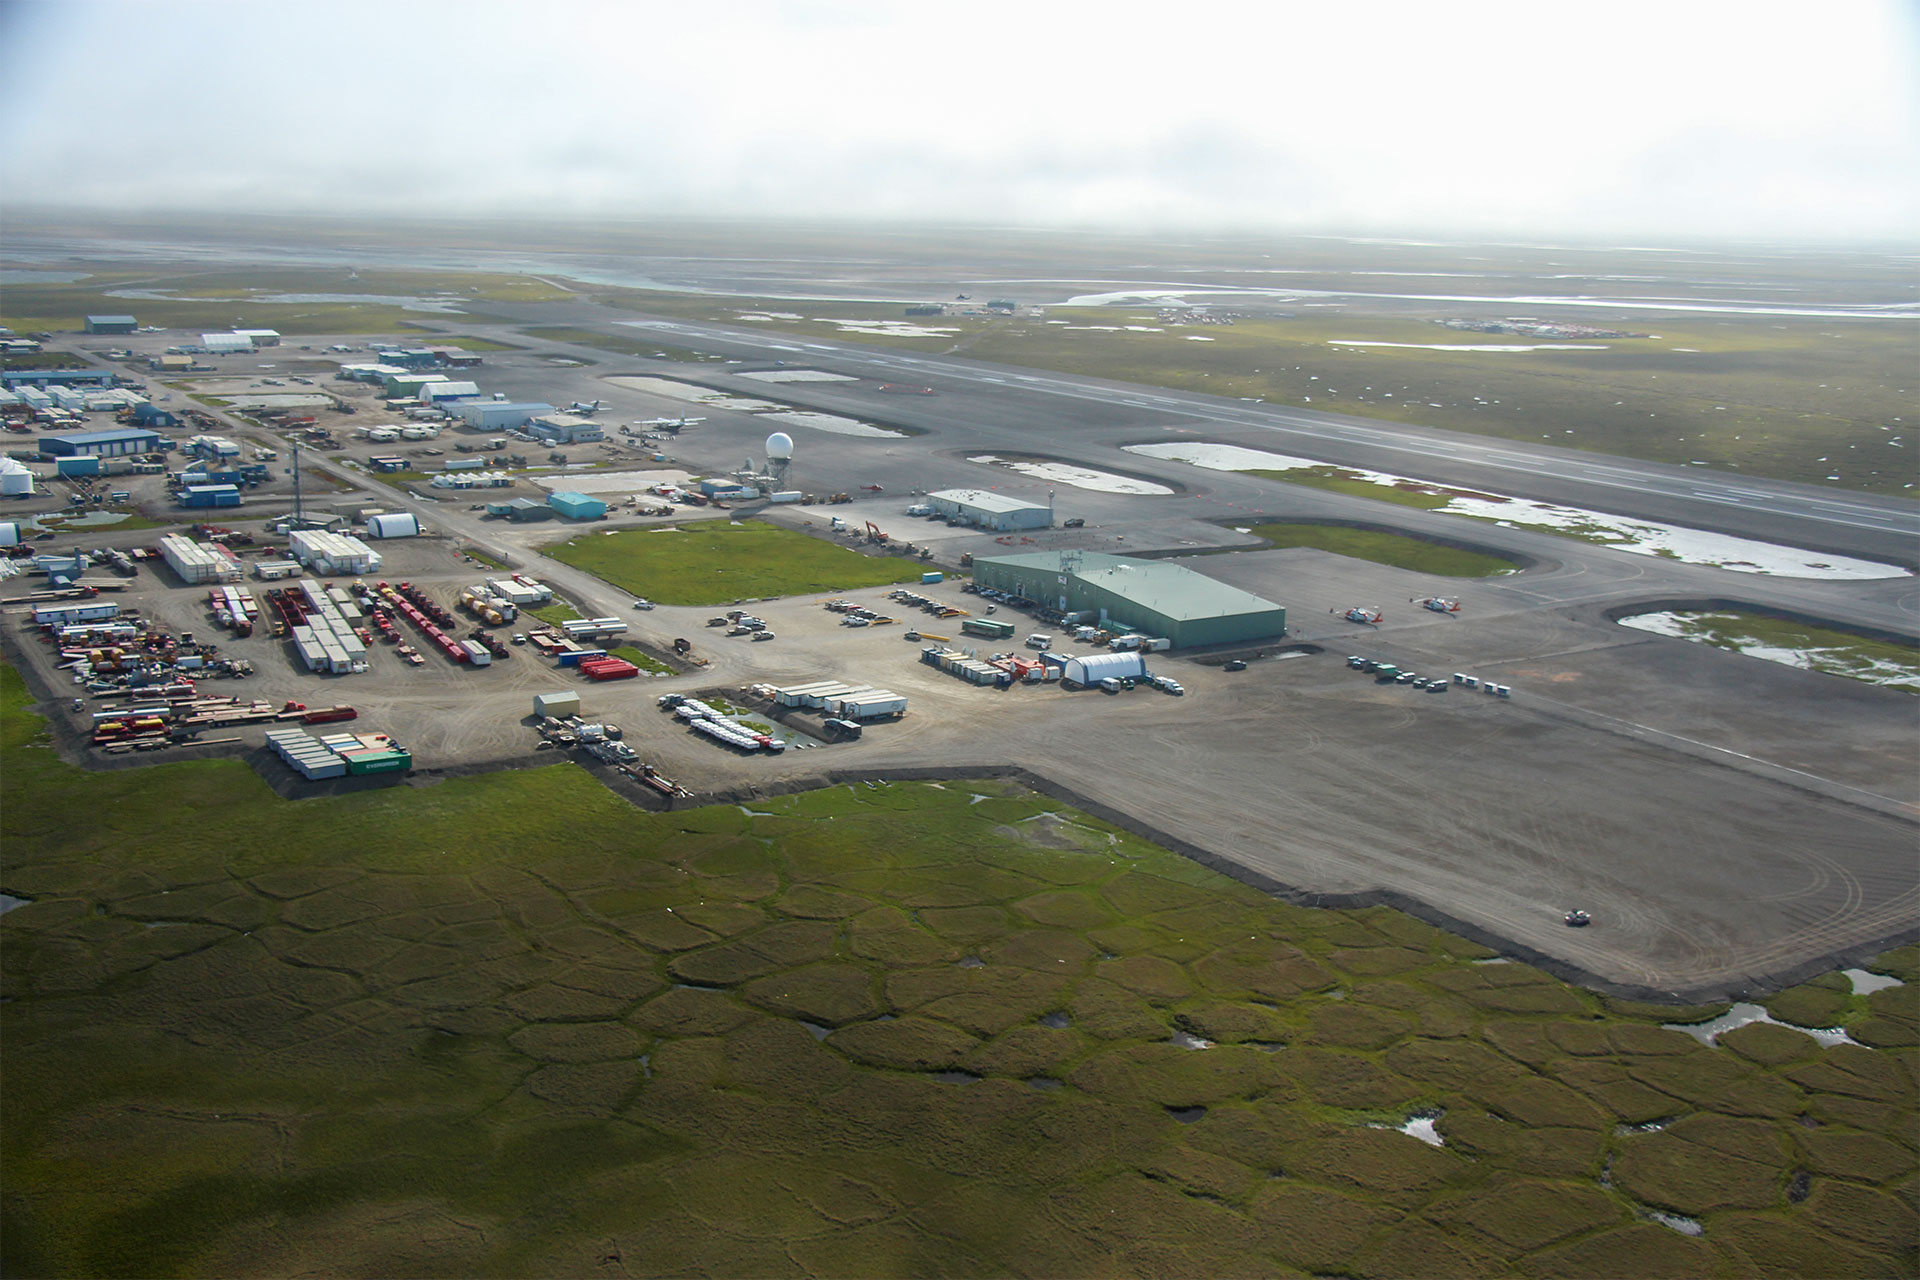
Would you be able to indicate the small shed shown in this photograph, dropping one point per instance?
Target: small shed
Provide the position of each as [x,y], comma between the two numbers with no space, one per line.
[556,704]
[577,506]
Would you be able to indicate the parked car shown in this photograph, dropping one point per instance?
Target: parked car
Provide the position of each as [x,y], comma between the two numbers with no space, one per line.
[1235,665]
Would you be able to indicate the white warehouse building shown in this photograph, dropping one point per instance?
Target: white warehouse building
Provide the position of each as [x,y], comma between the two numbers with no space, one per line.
[499,415]
[989,510]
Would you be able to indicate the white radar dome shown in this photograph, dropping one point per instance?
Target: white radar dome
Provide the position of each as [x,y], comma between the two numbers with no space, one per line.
[780,445]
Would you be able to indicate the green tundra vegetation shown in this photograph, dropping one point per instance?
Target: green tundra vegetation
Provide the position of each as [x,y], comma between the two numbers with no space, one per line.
[1381,547]
[720,561]
[507,1025]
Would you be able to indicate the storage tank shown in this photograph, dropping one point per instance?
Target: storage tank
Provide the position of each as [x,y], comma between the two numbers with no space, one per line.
[15,480]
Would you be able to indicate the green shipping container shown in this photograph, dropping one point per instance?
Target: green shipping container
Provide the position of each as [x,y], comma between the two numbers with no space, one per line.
[378,762]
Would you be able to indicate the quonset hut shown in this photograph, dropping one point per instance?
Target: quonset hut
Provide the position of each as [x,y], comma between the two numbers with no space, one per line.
[1150,596]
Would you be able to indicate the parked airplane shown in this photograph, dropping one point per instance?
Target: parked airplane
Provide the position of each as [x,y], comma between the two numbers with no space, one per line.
[585,408]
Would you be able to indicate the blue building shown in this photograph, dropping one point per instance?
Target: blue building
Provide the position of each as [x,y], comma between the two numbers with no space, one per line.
[210,495]
[150,415]
[577,506]
[564,428]
[112,324]
[105,444]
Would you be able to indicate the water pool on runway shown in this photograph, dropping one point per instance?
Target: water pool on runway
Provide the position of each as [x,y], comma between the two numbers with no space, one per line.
[1621,533]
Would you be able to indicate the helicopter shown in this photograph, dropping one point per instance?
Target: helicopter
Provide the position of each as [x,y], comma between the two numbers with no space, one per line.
[1361,614]
[1437,603]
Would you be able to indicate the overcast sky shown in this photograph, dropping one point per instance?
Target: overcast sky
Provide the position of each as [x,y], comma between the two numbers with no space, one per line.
[1791,120]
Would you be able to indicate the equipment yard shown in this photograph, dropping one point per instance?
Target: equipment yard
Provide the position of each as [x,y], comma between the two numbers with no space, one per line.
[545,775]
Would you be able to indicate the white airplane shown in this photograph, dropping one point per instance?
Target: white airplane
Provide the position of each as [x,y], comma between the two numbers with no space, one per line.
[585,408]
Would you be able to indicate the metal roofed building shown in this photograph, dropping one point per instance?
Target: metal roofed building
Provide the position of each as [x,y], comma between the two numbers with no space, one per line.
[1151,596]
[499,415]
[990,510]
[226,343]
[261,337]
[112,324]
[564,428]
[105,444]
[434,392]
[55,377]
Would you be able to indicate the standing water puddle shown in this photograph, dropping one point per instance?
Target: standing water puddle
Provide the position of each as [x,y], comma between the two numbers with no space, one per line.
[971,962]
[1865,982]
[817,1031]
[1685,1226]
[956,1077]
[1419,1125]
[1647,1126]
[1186,1041]
[1046,1084]
[1057,1020]
[1186,1115]
[1740,1015]
[8,902]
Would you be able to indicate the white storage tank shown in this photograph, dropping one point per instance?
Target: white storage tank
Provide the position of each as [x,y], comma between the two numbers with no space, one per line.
[15,480]
[398,524]
[557,705]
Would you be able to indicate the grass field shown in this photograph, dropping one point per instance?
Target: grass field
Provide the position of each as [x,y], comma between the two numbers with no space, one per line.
[719,562]
[508,1025]
[1799,644]
[1342,480]
[44,360]
[1394,549]
[645,662]
[1795,399]
[554,614]
[222,298]
[623,345]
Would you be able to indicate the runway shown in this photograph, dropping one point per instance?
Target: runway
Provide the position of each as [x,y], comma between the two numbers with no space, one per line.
[1799,515]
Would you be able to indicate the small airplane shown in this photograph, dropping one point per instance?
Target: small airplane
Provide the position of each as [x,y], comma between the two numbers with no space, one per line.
[1437,604]
[671,424]
[1361,614]
[585,408]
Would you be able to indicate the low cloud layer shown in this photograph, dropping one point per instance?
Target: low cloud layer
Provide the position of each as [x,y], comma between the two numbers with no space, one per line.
[1700,119]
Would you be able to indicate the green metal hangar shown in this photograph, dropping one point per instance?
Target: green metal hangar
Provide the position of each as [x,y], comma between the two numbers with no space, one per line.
[1155,598]
[988,510]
